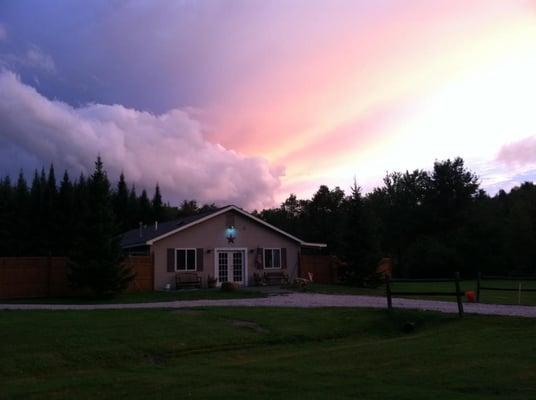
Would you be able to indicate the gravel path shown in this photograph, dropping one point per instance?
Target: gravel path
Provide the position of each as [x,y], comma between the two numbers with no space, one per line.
[304,300]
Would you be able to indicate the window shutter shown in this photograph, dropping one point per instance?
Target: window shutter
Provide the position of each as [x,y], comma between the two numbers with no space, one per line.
[200,261]
[259,261]
[170,260]
[284,258]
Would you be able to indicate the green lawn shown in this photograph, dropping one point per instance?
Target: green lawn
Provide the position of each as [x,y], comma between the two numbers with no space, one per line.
[264,353]
[495,297]
[146,297]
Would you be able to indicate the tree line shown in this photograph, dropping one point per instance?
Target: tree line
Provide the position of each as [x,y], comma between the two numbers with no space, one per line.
[47,217]
[430,222]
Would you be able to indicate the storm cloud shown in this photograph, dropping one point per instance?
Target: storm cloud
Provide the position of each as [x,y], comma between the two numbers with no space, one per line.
[168,148]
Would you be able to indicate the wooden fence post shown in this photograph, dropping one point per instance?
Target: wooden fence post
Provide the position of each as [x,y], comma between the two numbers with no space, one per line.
[388,293]
[49,273]
[478,277]
[458,294]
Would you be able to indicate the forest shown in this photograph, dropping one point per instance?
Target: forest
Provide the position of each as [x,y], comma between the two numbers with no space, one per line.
[431,223]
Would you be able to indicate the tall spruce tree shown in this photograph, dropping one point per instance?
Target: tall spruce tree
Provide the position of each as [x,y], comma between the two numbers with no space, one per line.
[35,239]
[145,208]
[7,216]
[157,206]
[22,216]
[66,215]
[120,203]
[97,263]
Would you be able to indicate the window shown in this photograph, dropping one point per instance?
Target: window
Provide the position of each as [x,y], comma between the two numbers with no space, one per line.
[272,258]
[185,259]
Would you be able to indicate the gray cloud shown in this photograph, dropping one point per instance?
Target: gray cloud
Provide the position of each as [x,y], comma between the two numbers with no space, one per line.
[168,148]
[33,58]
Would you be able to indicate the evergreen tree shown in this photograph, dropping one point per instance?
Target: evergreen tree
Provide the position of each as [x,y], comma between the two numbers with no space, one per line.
[134,217]
[120,202]
[157,206]
[7,216]
[22,216]
[359,247]
[37,233]
[97,263]
[188,207]
[66,215]
[145,211]
[50,213]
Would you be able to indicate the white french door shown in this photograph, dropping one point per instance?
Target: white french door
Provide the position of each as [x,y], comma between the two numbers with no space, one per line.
[230,266]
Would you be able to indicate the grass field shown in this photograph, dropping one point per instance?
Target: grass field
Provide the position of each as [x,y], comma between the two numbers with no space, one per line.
[146,297]
[495,297]
[264,353]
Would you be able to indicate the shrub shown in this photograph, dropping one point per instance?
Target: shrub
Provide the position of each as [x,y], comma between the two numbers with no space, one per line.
[228,287]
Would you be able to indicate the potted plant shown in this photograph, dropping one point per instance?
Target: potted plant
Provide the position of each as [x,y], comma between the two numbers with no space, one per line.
[211,281]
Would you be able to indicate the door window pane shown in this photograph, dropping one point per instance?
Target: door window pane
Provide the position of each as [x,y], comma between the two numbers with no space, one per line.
[237,267]
[222,267]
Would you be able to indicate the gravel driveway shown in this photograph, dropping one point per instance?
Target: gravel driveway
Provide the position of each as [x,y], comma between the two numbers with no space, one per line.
[304,300]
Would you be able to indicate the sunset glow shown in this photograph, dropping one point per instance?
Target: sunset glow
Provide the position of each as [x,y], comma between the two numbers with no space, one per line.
[315,93]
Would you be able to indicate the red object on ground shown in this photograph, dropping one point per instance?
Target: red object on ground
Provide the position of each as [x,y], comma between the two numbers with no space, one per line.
[470,295]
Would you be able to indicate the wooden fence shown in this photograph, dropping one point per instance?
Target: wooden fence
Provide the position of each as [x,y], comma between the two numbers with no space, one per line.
[25,277]
[325,269]
[456,290]
[518,279]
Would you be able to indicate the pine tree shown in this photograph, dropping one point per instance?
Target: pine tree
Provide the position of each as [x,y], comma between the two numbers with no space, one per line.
[22,216]
[97,263]
[133,209]
[50,213]
[66,215]
[157,206]
[120,203]
[145,208]
[35,239]
[7,216]
[359,247]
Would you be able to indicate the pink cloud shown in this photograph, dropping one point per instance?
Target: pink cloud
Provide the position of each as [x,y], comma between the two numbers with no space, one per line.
[522,152]
[168,148]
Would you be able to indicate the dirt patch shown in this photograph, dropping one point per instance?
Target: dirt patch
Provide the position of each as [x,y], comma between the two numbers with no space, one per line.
[250,325]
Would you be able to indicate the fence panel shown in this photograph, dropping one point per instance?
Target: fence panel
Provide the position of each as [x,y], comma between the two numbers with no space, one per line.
[324,268]
[25,277]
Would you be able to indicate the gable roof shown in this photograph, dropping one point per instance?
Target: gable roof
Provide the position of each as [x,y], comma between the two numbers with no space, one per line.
[149,236]
[137,237]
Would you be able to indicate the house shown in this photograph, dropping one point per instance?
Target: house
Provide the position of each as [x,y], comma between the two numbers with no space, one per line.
[226,244]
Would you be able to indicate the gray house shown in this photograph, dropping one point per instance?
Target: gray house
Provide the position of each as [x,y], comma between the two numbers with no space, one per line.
[227,244]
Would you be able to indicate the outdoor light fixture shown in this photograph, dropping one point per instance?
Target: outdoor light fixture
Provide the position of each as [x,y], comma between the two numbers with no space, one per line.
[230,234]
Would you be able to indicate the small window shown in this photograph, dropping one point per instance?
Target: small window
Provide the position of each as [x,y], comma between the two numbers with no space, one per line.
[272,258]
[185,259]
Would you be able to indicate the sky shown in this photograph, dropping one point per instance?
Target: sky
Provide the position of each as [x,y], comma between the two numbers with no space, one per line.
[245,102]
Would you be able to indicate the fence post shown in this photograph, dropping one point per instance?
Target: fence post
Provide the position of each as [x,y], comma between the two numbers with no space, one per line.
[388,293]
[49,272]
[458,293]
[478,277]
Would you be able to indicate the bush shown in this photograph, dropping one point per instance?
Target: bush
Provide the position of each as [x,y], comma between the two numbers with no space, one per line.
[228,287]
